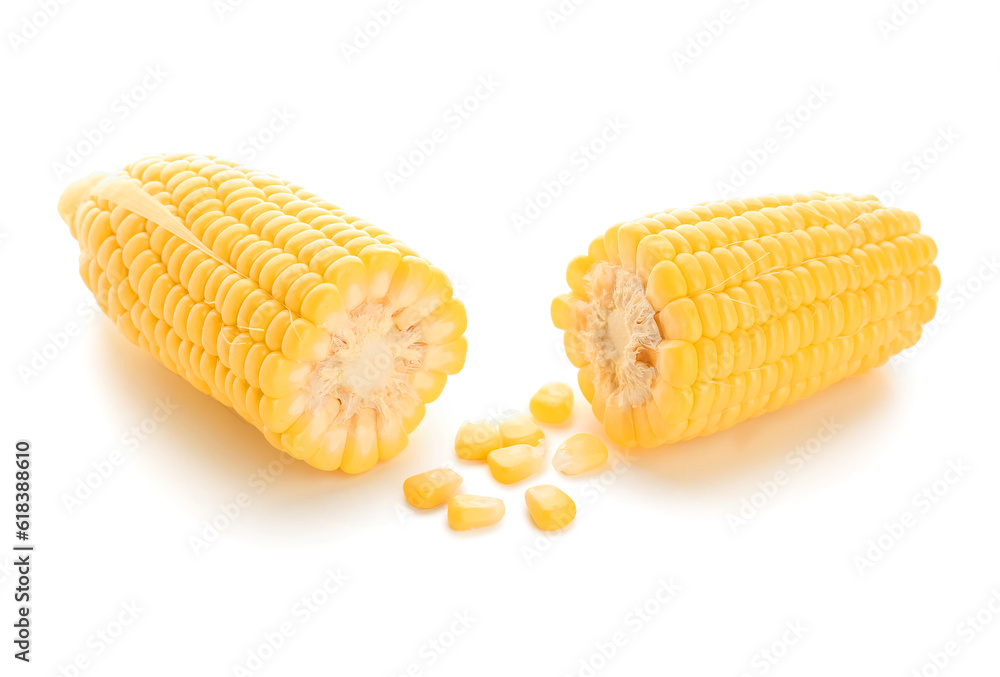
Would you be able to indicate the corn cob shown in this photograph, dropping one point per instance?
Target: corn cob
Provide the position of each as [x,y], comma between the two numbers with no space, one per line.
[317,327]
[686,322]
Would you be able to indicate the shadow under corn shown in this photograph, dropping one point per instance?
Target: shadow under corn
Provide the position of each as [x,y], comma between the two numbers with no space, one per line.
[210,454]
[760,442]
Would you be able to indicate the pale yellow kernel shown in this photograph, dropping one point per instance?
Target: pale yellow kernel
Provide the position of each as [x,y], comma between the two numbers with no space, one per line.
[476,439]
[553,403]
[550,507]
[562,312]
[306,435]
[666,283]
[515,463]
[331,454]
[428,384]
[411,279]
[432,488]
[519,429]
[361,446]
[381,262]
[580,453]
[280,376]
[323,305]
[448,358]
[677,363]
[470,512]
[392,437]
[280,413]
[349,275]
[619,423]
[445,324]
[412,413]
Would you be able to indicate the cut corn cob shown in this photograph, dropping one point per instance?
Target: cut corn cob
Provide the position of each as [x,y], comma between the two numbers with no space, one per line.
[686,322]
[317,327]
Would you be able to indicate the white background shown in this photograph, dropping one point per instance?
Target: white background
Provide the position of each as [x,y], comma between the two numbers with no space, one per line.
[533,604]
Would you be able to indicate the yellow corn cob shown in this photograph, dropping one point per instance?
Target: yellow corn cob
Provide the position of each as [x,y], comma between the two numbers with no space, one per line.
[317,327]
[686,322]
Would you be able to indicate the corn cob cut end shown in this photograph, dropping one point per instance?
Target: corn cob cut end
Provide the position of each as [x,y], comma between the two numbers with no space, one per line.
[619,334]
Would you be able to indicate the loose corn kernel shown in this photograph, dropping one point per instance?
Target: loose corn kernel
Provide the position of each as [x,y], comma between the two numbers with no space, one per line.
[515,463]
[475,439]
[432,488]
[550,507]
[553,403]
[470,512]
[580,453]
[313,325]
[730,310]
[519,429]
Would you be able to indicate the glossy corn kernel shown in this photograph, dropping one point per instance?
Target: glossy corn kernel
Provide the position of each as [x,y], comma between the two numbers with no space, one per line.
[475,439]
[553,403]
[471,512]
[315,326]
[686,322]
[550,508]
[580,453]
[519,429]
[515,463]
[432,488]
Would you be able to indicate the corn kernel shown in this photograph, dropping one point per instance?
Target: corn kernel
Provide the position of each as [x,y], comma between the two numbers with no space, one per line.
[553,403]
[475,439]
[550,507]
[580,453]
[432,488]
[515,463]
[520,429]
[470,512]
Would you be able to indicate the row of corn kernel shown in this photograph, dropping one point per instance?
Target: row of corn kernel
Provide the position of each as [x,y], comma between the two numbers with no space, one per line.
[852,267]
[630,246]
[682,413]
[734,351]
[190,322]
[849,265]
[683,361]
[437,289]
[620,243]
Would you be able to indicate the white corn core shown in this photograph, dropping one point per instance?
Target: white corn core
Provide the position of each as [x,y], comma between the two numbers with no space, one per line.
[369,365]
[620,335]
